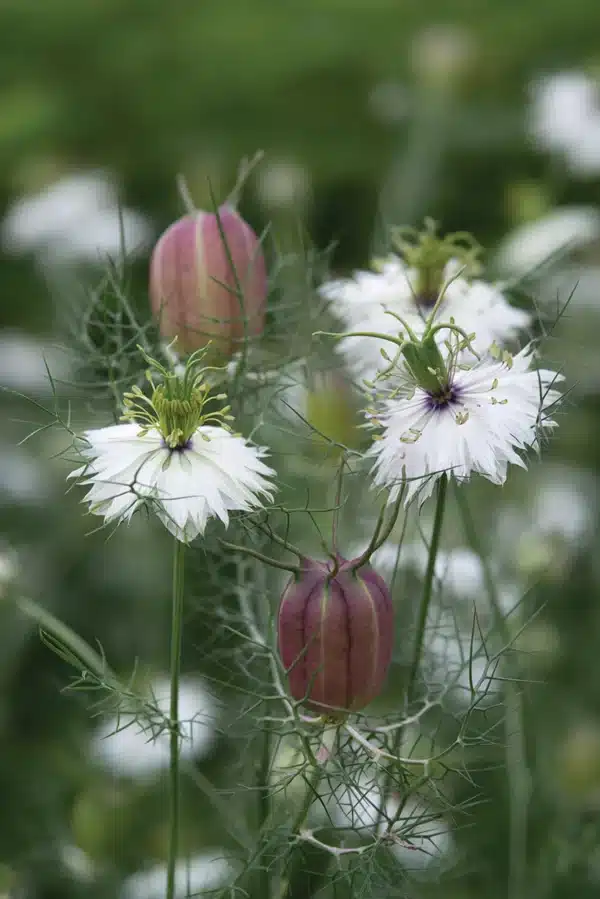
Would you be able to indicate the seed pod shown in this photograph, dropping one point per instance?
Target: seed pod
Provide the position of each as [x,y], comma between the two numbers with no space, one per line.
[336,634]
[198,269]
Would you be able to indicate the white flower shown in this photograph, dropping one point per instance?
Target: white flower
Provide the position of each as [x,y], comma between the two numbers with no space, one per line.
[485,415]
[176,453]
[130,747]
[23,479]
[554,519]
[215,473]
[78,864]
[362,301]
[565,117]
[203,873]
[9,568]
[562,231]
[561,106]
[25,362]
[284,184]
[583,156]
[75,219]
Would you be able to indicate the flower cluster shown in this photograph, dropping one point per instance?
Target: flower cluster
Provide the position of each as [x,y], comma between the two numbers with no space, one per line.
[430,274]
[449,400]
[452,399]
[428,345]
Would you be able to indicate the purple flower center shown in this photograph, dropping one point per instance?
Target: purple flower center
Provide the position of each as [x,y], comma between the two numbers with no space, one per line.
[426,299]
[446,396]
[179,449]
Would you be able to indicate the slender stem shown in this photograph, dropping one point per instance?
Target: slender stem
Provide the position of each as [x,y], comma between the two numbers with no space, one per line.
[381,533]
[396,340]
[272,535]
[336,509]
[428,585]
[174,793]
[238,292]
[245,550]
[421,624]
[516,752]
[70,645]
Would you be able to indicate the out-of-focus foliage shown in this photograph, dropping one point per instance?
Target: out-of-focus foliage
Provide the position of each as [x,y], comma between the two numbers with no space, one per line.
[357,117]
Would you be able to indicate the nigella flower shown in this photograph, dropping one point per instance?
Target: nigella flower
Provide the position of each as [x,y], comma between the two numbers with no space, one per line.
[430,274]
[442,417]
[176,454]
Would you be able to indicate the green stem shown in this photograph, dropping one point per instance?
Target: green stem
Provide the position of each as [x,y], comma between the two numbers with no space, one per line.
[421,625]
[428,585]
[267,560]
[69,645]
[516,752]
[174,792]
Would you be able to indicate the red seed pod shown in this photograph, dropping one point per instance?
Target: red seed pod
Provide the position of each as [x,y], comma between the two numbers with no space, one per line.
[194,286]
[336,634]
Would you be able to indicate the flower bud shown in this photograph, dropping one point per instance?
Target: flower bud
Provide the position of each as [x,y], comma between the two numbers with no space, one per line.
[198,269]
[336,634]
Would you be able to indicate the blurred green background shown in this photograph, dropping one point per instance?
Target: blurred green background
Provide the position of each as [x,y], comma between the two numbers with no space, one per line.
[368,112]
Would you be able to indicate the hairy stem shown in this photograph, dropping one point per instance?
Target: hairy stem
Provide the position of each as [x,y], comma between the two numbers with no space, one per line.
[174,790]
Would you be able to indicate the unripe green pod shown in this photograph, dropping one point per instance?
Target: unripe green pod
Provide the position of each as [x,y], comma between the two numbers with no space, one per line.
[336,630]
[208,281]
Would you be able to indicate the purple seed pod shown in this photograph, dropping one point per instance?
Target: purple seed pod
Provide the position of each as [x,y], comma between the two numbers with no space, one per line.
[194,288]
[336,632]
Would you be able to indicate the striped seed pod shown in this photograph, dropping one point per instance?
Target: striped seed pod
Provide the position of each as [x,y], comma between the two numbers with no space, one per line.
[335,635]
[208,281]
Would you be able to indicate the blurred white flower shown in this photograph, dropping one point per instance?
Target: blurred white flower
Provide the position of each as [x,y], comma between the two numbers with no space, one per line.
[563,230]
[424,837]
[566,505]
[130,748]
[564,117]
[459,569]
[362,302]
[25,362]
[486,416]
[441,53]
[420,837]
[202,873]
[561,106]
[583,156]
[284,184]
[23,478]
[78,863]
[76,219]
[456,660]
[561,502]
[9,567]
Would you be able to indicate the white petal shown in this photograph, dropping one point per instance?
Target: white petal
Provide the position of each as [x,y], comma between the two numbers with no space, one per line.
[216,474]
[364,303]
[501,413]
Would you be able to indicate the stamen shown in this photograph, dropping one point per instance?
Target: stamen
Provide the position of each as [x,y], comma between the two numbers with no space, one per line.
[177,406]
